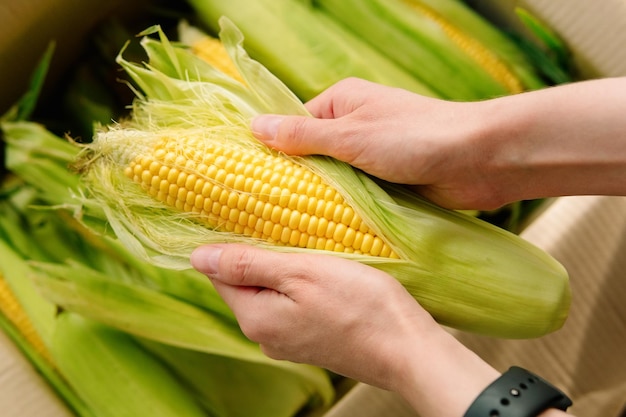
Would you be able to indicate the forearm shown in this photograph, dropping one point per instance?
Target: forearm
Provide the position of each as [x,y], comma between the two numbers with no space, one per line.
[566,140]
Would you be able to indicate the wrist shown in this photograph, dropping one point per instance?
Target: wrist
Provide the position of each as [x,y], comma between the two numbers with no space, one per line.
[442,377]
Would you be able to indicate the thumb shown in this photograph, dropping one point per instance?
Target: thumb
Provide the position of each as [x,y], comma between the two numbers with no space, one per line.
[295,135]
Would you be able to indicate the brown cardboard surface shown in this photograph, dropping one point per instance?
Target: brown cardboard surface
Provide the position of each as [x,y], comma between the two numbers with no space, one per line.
[587,234]
[23,392]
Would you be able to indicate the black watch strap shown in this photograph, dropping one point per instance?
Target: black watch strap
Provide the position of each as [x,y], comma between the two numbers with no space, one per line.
[517,393]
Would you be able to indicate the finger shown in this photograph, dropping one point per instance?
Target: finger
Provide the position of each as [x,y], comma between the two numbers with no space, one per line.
[296,135]
[248,266]
[341,99]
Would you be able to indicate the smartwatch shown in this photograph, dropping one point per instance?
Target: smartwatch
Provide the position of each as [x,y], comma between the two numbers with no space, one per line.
[518,393]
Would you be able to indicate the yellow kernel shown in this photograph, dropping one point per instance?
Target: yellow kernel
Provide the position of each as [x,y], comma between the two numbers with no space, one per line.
[386,251]
[377,246]
[223,198]
[294,220]
[283,198]
[301,187]
[224,212]
[304,240]
[181,179]
[285,217]
[215,193]
[306,204]
[305,219]
[206,189]
[199,202]
[243,218]
[368,241]
[258,225]
[348,238]
[172,175]
[264,193]
[358,241]
[233,215]
[329,210]
[329,194]
[330,245]
[259,209]
[155,182]
[242,201]
[154,168]
[191,181]
[252,219]
[216,208]
[330,230]
[276,214]
[347,215]
[233,199]
[248,184]
[267,228]
[338,213]
[190,198]
[198,186]
[220,176]
[229,180]
[320,208]
[322,226]
[277,231]
[239,183]
[312,224]
[294,237]
[340,232]
[275,195]
[292,204]
[220,161]
[275,179]
[339,248]
[173,190]
[320,243]
[212,172]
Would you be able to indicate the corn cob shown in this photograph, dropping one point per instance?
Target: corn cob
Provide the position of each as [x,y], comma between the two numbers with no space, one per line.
[484,57]
[443,43]
[466,273]
[10,307]
[253,193]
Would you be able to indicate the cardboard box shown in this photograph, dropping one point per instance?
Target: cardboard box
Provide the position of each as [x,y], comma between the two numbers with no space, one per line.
[587,234]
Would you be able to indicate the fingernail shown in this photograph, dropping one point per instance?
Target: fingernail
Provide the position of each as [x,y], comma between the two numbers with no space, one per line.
[206,259]
[265,127]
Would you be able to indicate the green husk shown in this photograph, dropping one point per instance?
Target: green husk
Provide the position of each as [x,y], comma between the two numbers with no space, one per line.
[72,269]
[303,46]
[467,273]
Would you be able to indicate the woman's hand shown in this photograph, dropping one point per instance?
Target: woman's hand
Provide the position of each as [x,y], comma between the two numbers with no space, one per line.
[326,311]
[392,134]
[346,317]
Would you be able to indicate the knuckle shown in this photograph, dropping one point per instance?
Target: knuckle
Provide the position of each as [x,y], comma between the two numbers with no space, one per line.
[241,266]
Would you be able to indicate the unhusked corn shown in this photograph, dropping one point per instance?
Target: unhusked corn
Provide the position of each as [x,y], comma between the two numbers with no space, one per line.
[486,58]
[253,193]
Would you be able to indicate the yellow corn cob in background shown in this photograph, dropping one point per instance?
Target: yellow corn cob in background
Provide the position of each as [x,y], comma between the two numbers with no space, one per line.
[475,49]
[11,308]
[254,193]
[209,49]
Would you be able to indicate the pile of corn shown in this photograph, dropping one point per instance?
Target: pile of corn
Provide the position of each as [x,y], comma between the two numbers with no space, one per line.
[95,283]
